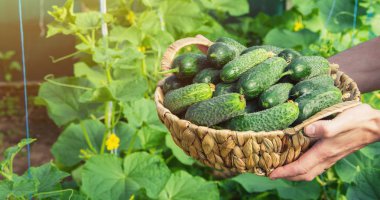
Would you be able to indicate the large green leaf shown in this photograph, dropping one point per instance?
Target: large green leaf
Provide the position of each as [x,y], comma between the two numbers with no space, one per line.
[48,177]
[96,75]
[372,98]
[129,89]
[288,39]
[183,186]
[234,8]
[107,177]
[86,21]
[365,186]
[5,188]
[179,17]
[304,7]
[372,150]
[285,189]
[178,152]
[24,186]
[71,141]
[62,102]
[342,16]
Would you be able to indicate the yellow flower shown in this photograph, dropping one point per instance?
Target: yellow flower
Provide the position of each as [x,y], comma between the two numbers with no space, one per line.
[112,142]
[131,17]
[142,49]
[298,25]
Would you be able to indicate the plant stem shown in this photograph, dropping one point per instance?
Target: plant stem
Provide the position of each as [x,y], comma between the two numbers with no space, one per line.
[108,118]
[64,57]
[172,71]
[48,79]
[58,191]
[87,138]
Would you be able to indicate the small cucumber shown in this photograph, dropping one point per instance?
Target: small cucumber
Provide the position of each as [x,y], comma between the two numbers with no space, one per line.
[235,68]
[220,54]
[275,95]
[172,83]
[232,42]
[207,75]
[310,104]
[224,88]
[306,67]
[179,100]
[260,78]
[275,118]
[274,49]
[216,110]
[187,65]
[289,55]
[309,85]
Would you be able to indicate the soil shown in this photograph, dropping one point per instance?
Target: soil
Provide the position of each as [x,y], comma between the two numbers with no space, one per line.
[12,127]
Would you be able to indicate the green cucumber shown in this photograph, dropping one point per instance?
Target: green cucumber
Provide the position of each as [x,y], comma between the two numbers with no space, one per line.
[306,67]
[274,49]
[187,65]
[258,79]
[310,104]
[220,54]
[275,95]
[289,55]
[275,118]
[172,83]
[232,42]
[224,88]
[216,110]
[179,100]
[235,68]
[207,75]
[309,85]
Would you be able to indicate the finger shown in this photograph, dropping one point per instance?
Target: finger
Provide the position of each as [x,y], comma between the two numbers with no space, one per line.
[318,153]
[317,170]
[349,119]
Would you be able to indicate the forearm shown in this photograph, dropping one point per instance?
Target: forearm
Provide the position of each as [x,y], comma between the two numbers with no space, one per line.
[362,63]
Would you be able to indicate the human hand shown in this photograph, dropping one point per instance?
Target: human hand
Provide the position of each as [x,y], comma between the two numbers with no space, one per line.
[350,131]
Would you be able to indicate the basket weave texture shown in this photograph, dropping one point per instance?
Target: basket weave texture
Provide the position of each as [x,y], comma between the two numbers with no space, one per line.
[248,151]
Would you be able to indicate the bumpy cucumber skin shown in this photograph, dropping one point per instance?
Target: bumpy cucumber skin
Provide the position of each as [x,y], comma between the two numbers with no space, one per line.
[276,118]
[177,101]
[224,88]
[172,83]
[306,67]
[310,104]
[260,78]
[207,75]
[216,110]
[289,55]
[235,68]
[309,85]
[274,49]
[275,95]
[189,64]
[220,54]
[232,42]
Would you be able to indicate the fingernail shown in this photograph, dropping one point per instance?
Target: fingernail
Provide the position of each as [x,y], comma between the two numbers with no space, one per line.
[310,130]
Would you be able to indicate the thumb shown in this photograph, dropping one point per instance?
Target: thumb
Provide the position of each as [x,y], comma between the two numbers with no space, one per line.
[320,129]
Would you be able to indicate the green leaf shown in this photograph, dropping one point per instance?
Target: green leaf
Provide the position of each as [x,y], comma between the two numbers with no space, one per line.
[48,177]
[24,186]
[64,19]
[71,141]
[304,7]
[234,8]
[342,15]
[375,25]
[129,89]
[9,154]
[179,17]
[372,98]
[372,150]
[285,189]
[63,102]
[131,34]
[365,186]
[96,75]
[97,95]
[128,137]
[5,188]
[151,136]
[7,55]
[105,178]
[183,186]
[86,21]
[352,166]
[178,152]
[288,39]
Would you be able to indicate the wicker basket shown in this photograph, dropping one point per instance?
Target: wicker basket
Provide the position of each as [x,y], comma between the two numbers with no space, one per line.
[238,152]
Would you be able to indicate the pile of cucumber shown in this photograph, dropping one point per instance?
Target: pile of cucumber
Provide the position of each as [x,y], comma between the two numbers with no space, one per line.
[260,88]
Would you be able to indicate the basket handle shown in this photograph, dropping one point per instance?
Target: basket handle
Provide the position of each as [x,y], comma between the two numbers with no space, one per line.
[172,50]
[335,109]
